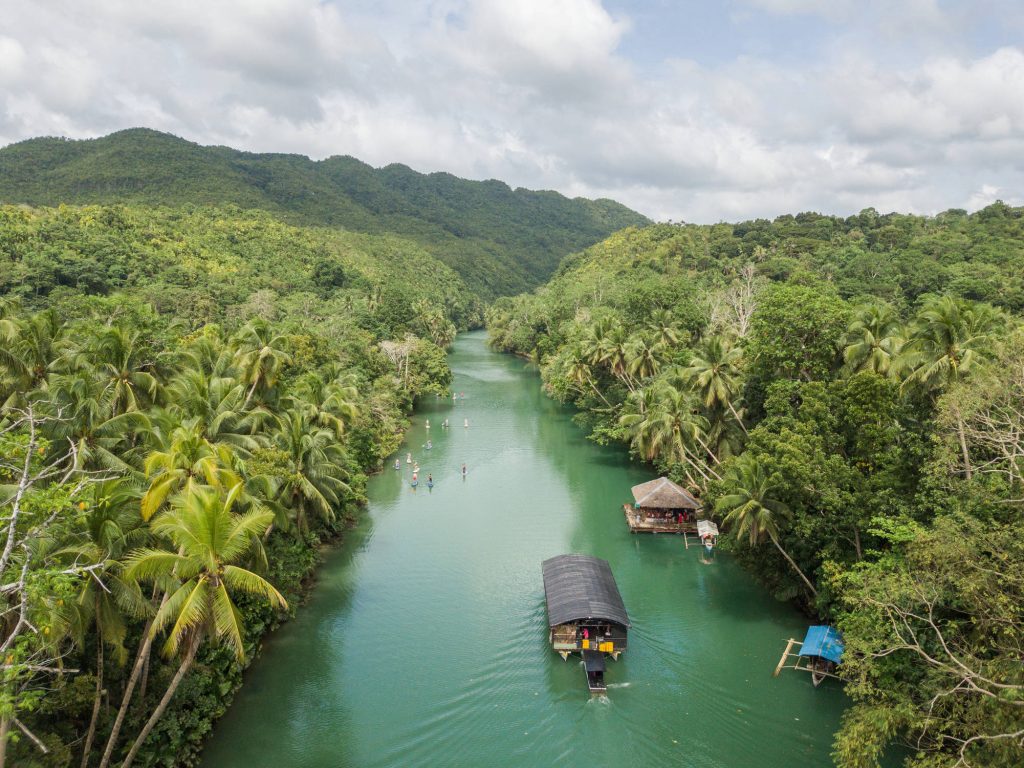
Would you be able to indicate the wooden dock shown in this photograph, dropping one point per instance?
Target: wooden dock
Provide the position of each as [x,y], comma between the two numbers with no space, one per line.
[638,524]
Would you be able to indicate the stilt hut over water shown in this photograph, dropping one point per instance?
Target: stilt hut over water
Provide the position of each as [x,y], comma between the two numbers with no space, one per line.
[820,653]
[707,532]
[585,612]
[661,506]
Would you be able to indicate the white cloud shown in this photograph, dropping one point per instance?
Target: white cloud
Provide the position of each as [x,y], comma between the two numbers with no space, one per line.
[540,93]
[12,60]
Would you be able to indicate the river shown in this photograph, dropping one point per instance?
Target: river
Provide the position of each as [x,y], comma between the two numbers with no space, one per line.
[425,640]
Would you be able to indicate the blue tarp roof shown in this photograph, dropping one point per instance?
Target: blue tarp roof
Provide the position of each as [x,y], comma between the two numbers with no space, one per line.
[823,641]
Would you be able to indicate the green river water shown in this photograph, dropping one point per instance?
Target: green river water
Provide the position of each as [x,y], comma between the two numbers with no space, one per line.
[425,641]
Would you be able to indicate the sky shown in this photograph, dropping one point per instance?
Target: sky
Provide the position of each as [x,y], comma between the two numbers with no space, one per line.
[685,111]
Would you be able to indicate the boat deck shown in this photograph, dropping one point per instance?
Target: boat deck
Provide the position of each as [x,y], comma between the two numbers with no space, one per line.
[593,665]
[638,524]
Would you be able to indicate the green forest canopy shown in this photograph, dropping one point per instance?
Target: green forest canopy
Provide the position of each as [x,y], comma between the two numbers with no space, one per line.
[181,387]
[501,241]
[847,396]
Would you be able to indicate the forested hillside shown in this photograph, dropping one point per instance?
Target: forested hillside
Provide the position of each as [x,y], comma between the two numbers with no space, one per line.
[847,396]
[500,241]
[190,402]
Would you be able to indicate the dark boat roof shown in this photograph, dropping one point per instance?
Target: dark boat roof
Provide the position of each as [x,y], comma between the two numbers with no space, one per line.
[581,587]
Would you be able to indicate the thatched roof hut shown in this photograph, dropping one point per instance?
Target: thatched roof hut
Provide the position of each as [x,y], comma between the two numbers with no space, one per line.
[663,494]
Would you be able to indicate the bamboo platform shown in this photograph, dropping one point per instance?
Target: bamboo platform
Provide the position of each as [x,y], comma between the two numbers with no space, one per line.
[639,525]
[817,673]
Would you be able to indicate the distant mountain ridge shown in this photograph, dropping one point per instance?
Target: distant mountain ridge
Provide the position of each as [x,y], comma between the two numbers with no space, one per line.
[501,241]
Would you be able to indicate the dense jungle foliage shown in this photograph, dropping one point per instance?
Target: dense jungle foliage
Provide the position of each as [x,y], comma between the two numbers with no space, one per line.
[191,401]
[847,396]
[501,241]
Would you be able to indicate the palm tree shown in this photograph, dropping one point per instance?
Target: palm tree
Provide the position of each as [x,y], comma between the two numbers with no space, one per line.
[207,352]
[260,357]
[645,357]
[662,324]
[103,438]
[665,423]
[216,403]
[947,339]
[374,299]
[208,539]
[31,350]
[188,460]
[609,346]
[873,340]
[579,372]
[111,525]
[121,363]
[313,482]
[714,374]
[594,339]
[750,506]
[329,402]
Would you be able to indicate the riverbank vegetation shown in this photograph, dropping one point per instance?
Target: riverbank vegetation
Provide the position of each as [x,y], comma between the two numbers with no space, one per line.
[191,401]
[847,396]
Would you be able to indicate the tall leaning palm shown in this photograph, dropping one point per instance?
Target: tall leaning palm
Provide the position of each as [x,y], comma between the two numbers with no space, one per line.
[126,368]
[111,525]
[663,324]
[103,440]
[665,423]
[207,541]
[749,505]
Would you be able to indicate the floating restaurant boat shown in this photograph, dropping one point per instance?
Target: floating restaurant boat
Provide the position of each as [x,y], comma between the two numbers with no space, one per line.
[821,652]
[585,613]
[661,506]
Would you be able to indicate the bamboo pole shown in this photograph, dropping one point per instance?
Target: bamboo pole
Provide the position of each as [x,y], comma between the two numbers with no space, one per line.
[785,655]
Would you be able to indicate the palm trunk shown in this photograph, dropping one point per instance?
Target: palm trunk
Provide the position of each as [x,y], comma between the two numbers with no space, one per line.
[598,391]
[963,444]
[709,452]
[5,727]
[87,748]
[737,417]
[186,663]
[686,457]
[252,391]
[796,568]
[145,678]
[140,660]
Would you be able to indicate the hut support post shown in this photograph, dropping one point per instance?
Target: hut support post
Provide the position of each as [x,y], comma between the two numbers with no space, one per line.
[785,655]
